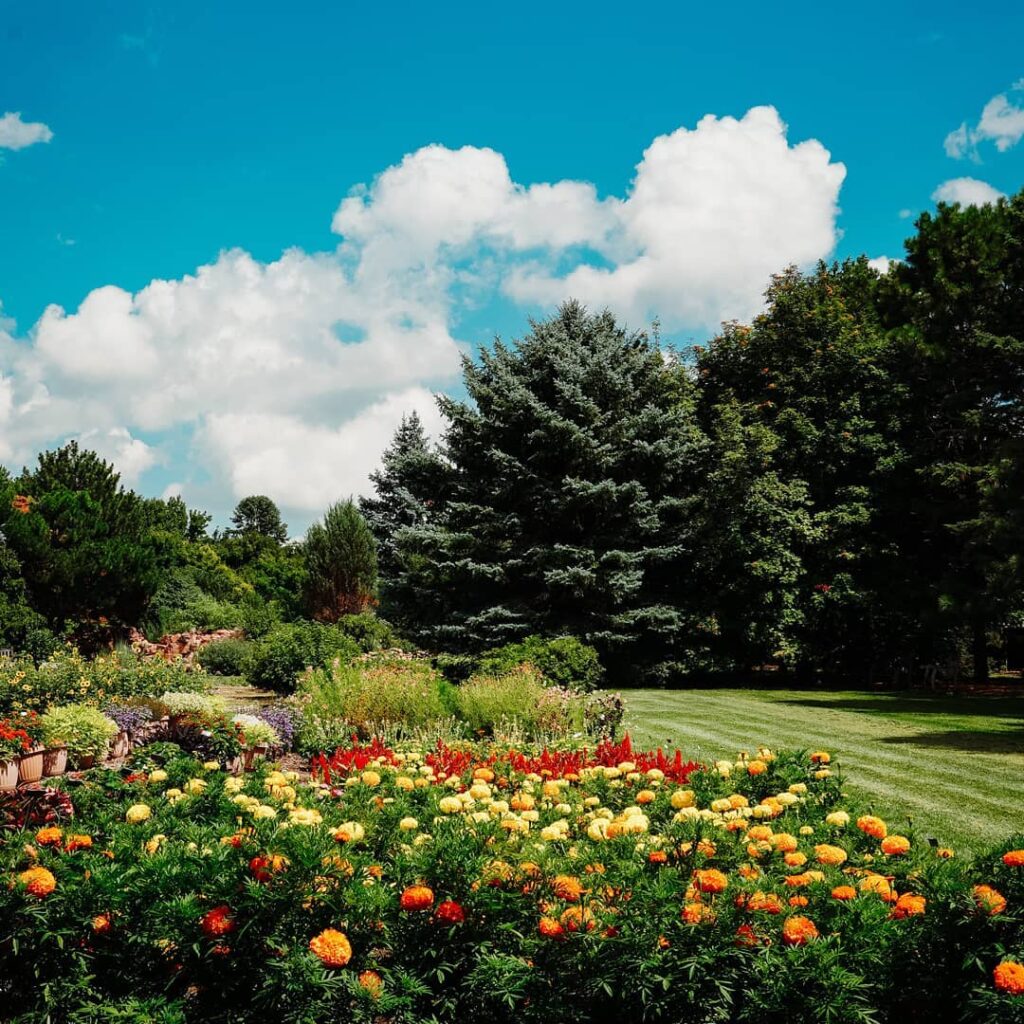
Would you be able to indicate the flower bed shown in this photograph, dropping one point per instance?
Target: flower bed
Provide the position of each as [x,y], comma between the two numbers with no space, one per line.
[474,883]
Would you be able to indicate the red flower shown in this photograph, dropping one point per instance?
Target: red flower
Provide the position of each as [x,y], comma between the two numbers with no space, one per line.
[450,912]
[217,922]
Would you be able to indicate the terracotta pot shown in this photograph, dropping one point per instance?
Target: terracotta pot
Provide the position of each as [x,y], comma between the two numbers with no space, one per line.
[30,767]
[121,745]
[8,775]
[250,755]
[55,761]
[85,761]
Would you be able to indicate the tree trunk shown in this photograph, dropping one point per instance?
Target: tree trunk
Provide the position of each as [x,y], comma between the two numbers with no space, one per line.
[979,649]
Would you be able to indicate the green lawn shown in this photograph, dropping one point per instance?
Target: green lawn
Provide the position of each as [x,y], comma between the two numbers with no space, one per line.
[954,766]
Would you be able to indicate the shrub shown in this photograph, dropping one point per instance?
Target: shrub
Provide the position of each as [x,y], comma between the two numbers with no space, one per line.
[84,730]
[225,657]
[518,698]
[256,731]
[564,661]
[185,703]
[369,632]
[276,660]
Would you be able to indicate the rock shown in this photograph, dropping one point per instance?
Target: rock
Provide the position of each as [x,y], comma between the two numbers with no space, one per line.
[180,645]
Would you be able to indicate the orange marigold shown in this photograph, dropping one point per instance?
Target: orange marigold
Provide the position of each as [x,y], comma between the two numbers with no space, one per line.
[78,842]
[757,768]
[332,947]
[550,928]
[694,913]
[766,902]
[872,826]
[1014,858]
[710,880]
[992,901]
[795,860]
[798,901]
[895,846]
[820,757]
[844,892]
[783,842]
[371,983]
[798,930]
[909,905]
[38,881]
[565,887]
[577,919]
[879,885]
[830,855]
[49,836]
[102,924]
[1009,977]
[417,897]
[217,922]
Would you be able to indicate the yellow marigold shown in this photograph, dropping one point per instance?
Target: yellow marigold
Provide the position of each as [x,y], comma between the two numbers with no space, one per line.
[895,846]
[138,813]
[38,881]
[710,880]
[349,832]
[417,897]
[944,853]
[1008,977]
[795,860]
[988,899]
[783,842]
[51,836]
[1014,859]
[821,757]
[332,947]
[872,826]
[646,796]
[838,819]
[878,885]
[695,913]
[833,856]
[798,930]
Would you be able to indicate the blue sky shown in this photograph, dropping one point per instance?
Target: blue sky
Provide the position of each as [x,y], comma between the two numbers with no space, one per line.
[184,131]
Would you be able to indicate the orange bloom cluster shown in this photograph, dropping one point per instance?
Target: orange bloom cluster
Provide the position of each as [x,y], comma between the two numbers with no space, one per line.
[710,880]
[371,982]
[332,947]
[550,928]
[895,846]
[695,913]
[1009,977]
[217,922]
[872,826]
[992,901]
[567,888]
[798,930]
[909,905]
[51,836]
[38,881]
[417,897]
[844,892]
[1014,859]
[449,912]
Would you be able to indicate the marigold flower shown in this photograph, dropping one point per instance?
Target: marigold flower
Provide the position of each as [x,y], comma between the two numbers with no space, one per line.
[102,924]
[264,867]
[765,902]
[550,928]
[833,856]
[895,846]
[371,983]
[51,836]
[78,842]
[1012,858]
[872,826]
[844,892]
[695,913]
[909,905]
[417,897]
[783,842]
[944,853]
[821,757]
[710,880]
[138,813]
[795,860]
[1008,977]
[746,936]
[565,887]
[38,881]
[450,912]
[992,901]
[217,922]
[798,901]
[577,919]
[879,885]
[757,767]
[332,947]
[657,857]
[798,930]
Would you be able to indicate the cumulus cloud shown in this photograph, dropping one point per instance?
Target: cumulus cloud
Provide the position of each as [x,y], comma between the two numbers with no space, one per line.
[881,264]
[17,134]
[289,377]
[966,192]
[1001,122]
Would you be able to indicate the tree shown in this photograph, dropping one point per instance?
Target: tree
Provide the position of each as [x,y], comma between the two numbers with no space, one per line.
[410,488]
[258,514]
[341,564]
[567,511]
[956,307]
[90,561]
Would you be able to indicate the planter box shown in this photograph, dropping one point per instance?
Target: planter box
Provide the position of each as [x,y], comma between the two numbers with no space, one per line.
[8,775]
[30,767]
[55,761]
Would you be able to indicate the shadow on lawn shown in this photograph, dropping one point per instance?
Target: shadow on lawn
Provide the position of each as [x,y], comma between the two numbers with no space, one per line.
[973,742]
[906,703]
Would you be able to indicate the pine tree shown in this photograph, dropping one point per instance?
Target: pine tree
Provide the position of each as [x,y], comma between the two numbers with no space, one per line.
[341,564]
[568,506]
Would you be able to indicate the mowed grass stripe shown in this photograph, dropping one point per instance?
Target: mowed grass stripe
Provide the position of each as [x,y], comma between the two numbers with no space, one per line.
[953,767]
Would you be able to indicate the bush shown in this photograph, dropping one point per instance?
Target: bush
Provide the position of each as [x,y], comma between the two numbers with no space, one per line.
[369,632]
[225,657]
[185,703]
[278,658]
[84,730]
[563,661]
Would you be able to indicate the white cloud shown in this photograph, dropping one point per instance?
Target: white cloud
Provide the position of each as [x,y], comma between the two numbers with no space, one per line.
[1001,122]
[288,377]
[966,192]
[881,264]
[17,134]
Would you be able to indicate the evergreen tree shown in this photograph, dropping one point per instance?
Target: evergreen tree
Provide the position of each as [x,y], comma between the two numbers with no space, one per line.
[568,508]
[259,515]
[409,488]
[341,564]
